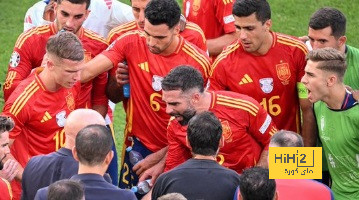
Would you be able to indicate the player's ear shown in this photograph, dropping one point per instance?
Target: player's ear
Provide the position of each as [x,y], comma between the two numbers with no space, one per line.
[195,97]
[55,6]
[268,24]
[221,142]
[176,29]
[109,157]
[331,80]
[74,153]
[342,40]
[87,13]
[276,195]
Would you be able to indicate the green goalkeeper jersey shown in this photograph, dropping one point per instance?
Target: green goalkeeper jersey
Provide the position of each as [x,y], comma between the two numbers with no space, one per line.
[339,133]
[351,77]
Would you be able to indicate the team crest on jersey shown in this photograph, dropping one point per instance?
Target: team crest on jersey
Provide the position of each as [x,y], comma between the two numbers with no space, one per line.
[14,59]
[226,131]
[266,85]
[87,56]
[61,118]
[156,83]
[196,6]
[283,73]
[70,101]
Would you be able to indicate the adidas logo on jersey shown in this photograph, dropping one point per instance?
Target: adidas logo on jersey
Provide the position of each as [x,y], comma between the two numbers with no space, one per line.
[46,117]
[144,66]
[246,79]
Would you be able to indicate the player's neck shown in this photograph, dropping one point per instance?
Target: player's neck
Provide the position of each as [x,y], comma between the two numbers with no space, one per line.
[336,97]
[204,102]
[172,47]
[84,169]
[203,157]
[48,81]
[266,45]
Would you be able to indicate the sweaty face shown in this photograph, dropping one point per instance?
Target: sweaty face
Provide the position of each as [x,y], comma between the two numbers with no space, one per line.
[4,145]
[138,10]
[66,72]
[69,16]
[251,32]
[322,38]
[159,37]
[315,81]
[178,105]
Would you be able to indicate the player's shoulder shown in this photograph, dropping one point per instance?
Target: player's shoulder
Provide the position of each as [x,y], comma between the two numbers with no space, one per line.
[233,100]
[227,52]
[33,34]
[198,55]
[23,95]
[194,51]
[121,29]
[291,41]
[194,27]
[95,37]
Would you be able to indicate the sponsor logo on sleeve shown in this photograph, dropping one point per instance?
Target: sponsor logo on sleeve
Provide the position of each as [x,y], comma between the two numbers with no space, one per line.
[14,59]
[228,19]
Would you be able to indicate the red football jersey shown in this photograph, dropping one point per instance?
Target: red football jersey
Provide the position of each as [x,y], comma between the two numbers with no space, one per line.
[271,79]
[39,117]
[213,16]
[192,33]
[246,127]
[146,116]
[5,190]
[25,58]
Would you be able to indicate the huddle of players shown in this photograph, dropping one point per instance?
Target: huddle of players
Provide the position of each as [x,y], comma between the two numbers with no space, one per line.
[257,62]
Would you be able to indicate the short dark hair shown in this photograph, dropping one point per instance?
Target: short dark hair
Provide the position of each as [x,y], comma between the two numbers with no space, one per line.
[204,133]
[183,78]
[92,144]
[330,60]
[77,2]
[255,184]
[244,8]
[332,17]
[163,12]
[65,190]
[6,124]
[284,138]
[65,45]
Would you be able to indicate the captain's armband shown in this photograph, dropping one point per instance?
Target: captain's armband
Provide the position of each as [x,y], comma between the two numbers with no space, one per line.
[302,91]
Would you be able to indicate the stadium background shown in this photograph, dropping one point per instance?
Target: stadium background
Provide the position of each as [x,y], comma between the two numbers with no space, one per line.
[288,16]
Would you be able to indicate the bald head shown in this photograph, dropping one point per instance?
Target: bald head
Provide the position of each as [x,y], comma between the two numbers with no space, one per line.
[77,120]
[284,138]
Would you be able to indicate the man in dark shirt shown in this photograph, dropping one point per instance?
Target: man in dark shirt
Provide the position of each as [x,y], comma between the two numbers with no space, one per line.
[92,149]
[198,177]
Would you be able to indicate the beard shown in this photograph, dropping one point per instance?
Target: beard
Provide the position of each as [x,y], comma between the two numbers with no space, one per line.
[186,116]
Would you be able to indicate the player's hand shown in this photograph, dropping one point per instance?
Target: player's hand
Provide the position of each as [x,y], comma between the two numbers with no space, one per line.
[9,170]
[153,173]
[304,38]
[145,164]
[122,74]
